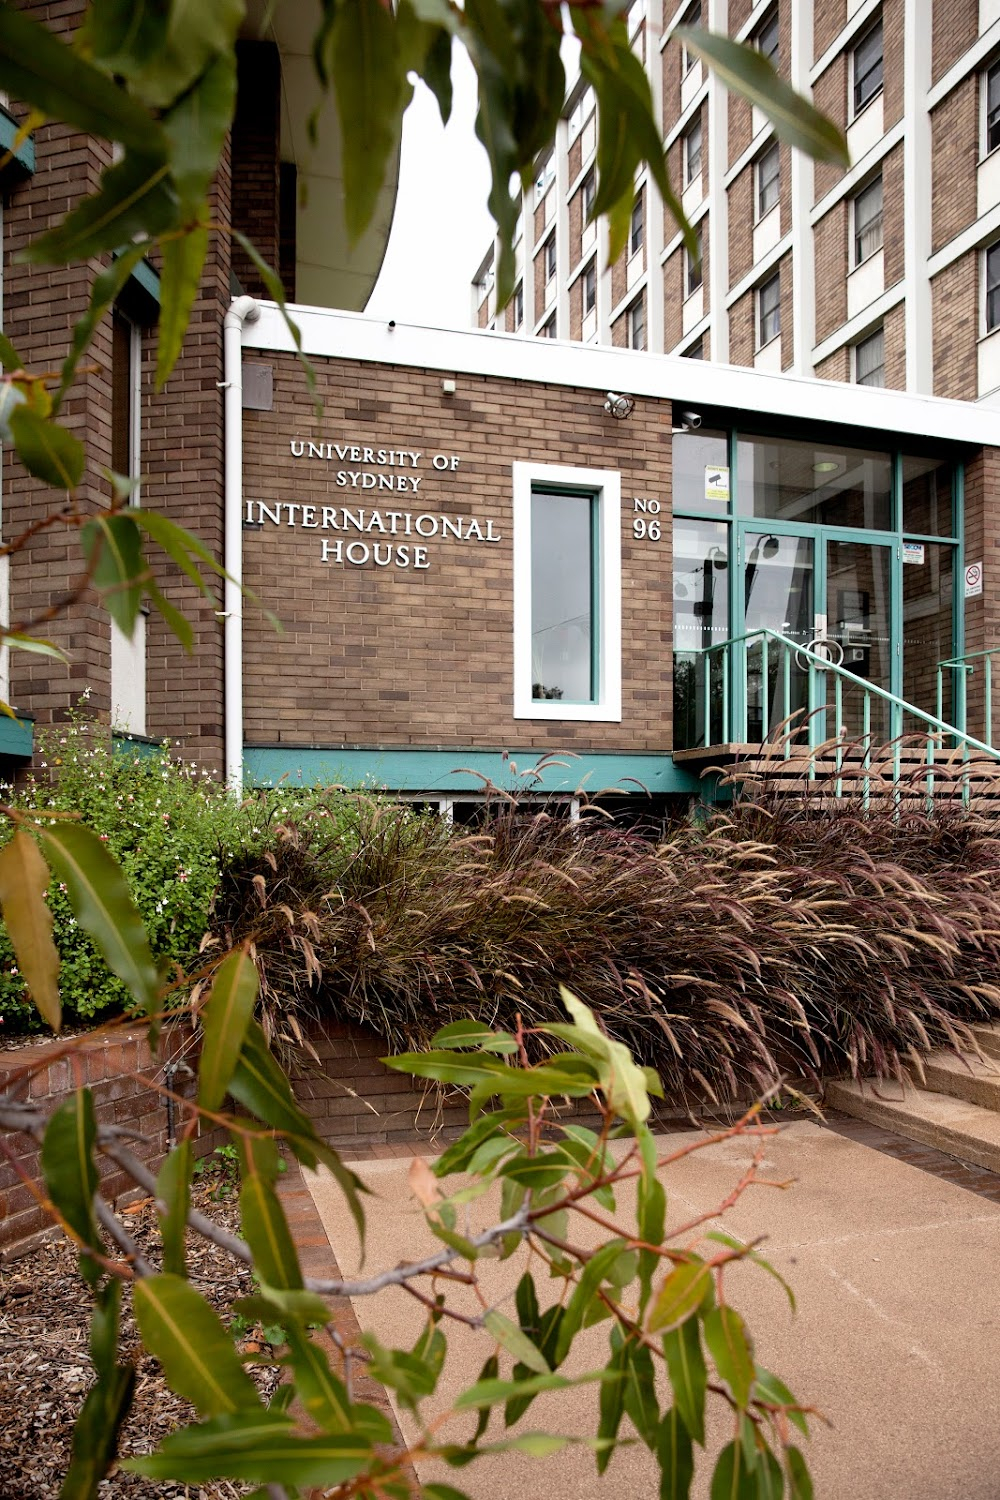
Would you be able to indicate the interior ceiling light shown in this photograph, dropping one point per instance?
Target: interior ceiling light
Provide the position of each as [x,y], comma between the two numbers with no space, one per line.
[826,466]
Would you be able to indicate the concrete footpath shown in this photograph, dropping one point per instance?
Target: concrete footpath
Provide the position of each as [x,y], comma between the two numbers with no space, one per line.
[896,1338]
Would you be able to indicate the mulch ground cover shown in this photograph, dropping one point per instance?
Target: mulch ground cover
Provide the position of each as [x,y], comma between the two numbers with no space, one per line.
[45,1370]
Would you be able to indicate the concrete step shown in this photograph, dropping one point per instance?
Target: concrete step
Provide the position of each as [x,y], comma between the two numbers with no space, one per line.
[987,1039]
[966,1131]
[964,1077]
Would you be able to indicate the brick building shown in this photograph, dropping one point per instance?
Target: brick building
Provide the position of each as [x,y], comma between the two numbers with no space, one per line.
[486,551]
[886,274]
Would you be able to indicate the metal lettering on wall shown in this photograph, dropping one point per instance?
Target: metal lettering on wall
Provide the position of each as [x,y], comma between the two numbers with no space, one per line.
[395,469]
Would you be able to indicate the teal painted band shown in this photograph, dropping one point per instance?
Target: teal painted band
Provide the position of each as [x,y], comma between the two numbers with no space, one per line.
[147,279]
[457,771]
[139,746]
[24,155]
[17,737]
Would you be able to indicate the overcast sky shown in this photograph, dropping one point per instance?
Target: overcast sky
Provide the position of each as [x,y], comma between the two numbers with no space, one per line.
[442,227]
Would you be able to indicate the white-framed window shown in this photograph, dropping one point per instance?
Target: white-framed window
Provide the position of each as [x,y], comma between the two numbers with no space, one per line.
[518,305]
[636,227]
[550,258]
[589,191]
[866,67]
[692,17]
[767,36]
[637,324]
[692,150]
[768,310]
[546,174]
[867,212]
[692,266]
[567,593]
[518,227]
[991,109]
[581,111]
[128,657]
[548,328]
[695,350]
[590,288]
[767,172]
[869,359]
[991,298]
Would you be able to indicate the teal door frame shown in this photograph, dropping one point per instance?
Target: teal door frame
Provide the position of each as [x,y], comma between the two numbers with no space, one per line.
[820,537]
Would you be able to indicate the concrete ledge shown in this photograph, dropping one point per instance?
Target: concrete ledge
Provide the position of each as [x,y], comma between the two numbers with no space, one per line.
[964,1077]
[954,1126]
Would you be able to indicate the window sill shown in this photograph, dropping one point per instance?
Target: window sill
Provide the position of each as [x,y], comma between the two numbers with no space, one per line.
[554,708]
[867,105]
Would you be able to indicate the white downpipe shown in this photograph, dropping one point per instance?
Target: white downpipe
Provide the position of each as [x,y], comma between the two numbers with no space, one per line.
[243,310]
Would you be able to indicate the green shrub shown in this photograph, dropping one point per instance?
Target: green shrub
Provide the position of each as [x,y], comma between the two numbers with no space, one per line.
[771,939]
[168,824]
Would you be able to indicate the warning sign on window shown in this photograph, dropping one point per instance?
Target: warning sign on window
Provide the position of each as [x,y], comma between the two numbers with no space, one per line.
[973,580]
[716,482]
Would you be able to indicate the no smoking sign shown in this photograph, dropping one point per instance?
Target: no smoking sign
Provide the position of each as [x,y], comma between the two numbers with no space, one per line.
[973,579]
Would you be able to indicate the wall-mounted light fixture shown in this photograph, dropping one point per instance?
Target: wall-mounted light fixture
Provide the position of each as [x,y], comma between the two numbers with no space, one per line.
[619,406]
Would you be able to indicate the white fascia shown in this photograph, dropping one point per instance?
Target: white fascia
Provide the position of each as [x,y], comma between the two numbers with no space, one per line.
[329,334]
[606,484]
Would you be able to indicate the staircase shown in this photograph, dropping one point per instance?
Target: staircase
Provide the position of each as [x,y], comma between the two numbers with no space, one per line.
[829,734]
[956,1109]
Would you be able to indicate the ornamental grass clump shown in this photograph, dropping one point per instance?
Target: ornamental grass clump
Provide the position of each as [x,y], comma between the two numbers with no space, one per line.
[770,940]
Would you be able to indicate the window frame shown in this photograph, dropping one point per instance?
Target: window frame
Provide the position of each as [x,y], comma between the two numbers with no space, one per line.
[548,328]
[692,17]
[549,260]
[876,333]
[988,291]
[638,306]
[637,226]
[694,128]
[773,151]
[518,306]
[772,281]
[771,19]
[993,71]
[588,191]
[588,276]
[605,486]
[860,105]
[856,258]
[694,268]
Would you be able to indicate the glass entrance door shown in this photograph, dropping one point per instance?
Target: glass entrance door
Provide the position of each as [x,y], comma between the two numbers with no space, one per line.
[859,619]
[830,590]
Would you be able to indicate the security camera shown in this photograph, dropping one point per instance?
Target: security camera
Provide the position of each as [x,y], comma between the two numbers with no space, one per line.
[691,420]
[619,406]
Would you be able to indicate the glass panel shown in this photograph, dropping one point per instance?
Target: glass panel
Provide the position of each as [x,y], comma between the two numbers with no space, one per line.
[868,67]
[868,221]
[561,597]
[779,595]
[859,610]
[869,360]
[928,609]
[797,481]
[700,469]
[701,620]
[927,491]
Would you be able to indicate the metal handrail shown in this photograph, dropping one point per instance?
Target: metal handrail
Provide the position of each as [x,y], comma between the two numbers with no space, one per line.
[962,664]
[934,727]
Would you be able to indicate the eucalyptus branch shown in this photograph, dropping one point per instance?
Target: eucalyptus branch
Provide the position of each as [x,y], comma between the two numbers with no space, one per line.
[114,1227]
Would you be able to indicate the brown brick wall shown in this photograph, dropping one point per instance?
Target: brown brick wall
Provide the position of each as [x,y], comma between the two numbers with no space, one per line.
[619,332]
[576,223]
[742,331]
[955,317]
[836,366]
[830,240]
[483,314]
[576,309]
[673,299]
[787,317]
[41,306]
[829,19]
[954,159]
[383,655]
[740,127]
[575,159]
[740,200]
[955,26]
[671,66]
[739,14]
[894,334]
[892,46]
[894,227]
[830,98]
[183,464]
[119,1069]
[256,160]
